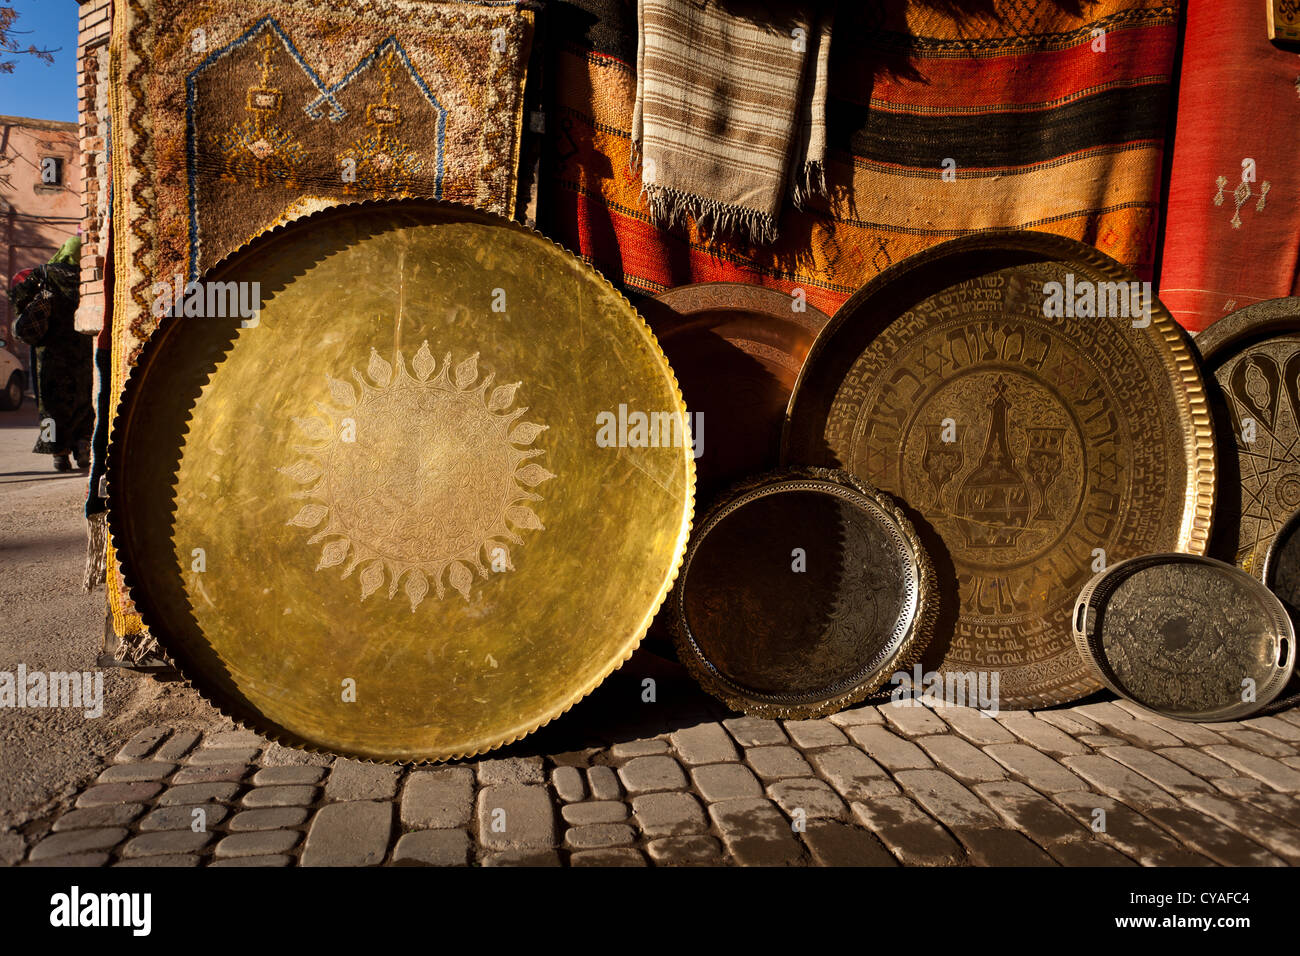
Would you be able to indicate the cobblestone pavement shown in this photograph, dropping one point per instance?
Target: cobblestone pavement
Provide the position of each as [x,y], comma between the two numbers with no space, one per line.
[629,782]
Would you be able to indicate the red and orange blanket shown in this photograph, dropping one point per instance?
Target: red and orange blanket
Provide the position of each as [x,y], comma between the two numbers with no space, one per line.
[944,118]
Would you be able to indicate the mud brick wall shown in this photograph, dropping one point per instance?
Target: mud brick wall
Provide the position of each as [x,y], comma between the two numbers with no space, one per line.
[92,98]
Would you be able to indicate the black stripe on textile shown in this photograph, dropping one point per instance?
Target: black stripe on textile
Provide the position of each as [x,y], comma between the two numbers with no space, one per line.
[877,31]
[607,27]
[996,140]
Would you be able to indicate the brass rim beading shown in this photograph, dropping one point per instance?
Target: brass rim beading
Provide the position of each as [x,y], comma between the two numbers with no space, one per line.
[126,409]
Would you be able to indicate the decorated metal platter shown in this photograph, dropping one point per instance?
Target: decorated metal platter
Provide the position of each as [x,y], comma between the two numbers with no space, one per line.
[802,592]
[1281,572]
[420,502]
[1251,360]
[1040,417]
[1186,636]
[737,350]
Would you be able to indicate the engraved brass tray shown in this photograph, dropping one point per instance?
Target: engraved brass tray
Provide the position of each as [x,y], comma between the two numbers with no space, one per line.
[737,350]
[1251,360]
[398,515]
[801,593]
[1029,448]
[1186,636]
[1281,572]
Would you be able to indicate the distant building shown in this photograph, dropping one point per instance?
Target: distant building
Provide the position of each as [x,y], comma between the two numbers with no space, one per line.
[40,200]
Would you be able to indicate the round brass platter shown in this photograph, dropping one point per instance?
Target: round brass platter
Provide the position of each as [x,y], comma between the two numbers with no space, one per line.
[802,591]
[1251,360]
[1030,440]
[1186,636]
[408,511]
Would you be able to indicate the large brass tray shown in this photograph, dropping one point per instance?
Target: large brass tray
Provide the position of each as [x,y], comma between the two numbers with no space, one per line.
[1031,448]
[409,511]
[1251,361]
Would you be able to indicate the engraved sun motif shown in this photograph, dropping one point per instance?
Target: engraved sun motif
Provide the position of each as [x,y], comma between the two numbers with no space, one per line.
[418,477]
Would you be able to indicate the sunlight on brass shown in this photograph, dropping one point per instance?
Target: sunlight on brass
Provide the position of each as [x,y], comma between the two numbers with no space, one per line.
[378,521]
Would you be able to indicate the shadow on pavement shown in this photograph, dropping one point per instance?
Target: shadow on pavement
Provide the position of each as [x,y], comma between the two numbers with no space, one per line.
[25,417]
[617,711]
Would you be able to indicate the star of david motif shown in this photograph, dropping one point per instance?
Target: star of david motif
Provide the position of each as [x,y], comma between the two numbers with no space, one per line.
[932,359]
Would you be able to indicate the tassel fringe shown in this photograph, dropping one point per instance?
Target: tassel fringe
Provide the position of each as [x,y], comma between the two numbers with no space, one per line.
[809,181]
[672,207]
[135,647]
[96,551]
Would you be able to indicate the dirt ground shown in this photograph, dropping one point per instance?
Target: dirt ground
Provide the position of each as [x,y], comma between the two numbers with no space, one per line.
[48,623]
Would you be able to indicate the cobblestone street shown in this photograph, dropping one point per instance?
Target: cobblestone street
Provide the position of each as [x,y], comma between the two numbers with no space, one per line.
[621,781]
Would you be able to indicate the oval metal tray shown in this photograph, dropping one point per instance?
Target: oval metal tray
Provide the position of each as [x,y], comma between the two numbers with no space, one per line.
[1185,636]
[1281,571]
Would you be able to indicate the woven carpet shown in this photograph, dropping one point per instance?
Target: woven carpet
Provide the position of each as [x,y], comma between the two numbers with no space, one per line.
[944,118]
[1232,233]
[230,117]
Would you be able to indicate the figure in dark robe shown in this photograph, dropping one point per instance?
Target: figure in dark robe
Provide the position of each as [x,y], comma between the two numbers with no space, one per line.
[45,301]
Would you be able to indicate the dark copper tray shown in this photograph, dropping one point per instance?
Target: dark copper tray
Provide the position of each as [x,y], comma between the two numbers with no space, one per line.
[1029,449]
[736,350]
[1251,360]
[1186,636]
[802,591]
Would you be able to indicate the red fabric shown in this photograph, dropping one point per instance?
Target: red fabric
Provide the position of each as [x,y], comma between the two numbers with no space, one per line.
[1238,99]
[1039,77]
[17,280]
[656,257]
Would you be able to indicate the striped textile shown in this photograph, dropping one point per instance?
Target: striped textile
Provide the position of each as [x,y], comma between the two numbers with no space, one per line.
[1053,117]
[1232,234]
[726,104]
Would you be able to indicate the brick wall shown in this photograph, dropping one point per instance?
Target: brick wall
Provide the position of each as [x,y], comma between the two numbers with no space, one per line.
[92,92]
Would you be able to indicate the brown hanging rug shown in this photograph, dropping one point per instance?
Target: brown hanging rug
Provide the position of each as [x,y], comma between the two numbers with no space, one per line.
[233,116]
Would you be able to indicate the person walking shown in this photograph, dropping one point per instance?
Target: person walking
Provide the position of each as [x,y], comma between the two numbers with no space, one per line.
[44,300]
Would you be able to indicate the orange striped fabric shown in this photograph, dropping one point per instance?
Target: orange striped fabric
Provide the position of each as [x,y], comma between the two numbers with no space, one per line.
[1028,114]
